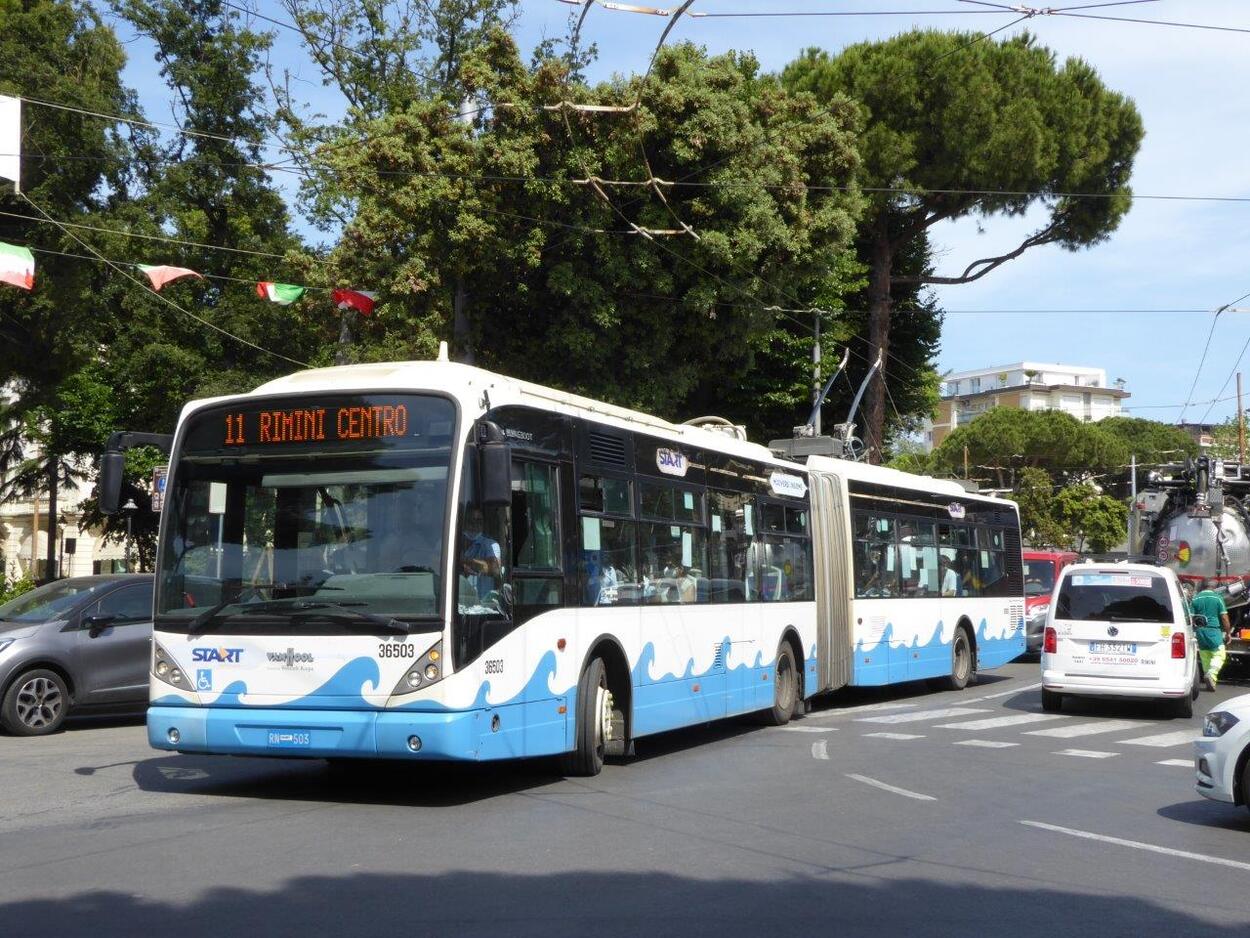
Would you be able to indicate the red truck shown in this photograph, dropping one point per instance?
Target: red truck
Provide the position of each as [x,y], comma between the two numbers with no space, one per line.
[1041,570]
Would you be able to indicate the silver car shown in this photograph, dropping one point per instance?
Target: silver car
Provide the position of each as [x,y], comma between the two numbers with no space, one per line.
[78,644]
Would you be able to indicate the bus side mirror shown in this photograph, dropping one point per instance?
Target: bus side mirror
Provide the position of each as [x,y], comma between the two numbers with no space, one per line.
[496,475]
[112,469]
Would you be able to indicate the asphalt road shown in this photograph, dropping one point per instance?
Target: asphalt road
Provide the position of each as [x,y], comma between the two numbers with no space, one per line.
[895,812]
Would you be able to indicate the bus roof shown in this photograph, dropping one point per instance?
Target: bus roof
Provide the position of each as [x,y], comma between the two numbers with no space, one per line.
[883,475]
[467,383]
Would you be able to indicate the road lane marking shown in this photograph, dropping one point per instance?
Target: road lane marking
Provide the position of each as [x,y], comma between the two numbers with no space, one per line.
[807,729]
[820,749]
[1138,845]
[1184,763]
[1086,729]
[986,743]
[919,715]
[884,787]
[1085,753]
[1163,740]
[1006,693]
[896,735]
[995,722]
[825,714]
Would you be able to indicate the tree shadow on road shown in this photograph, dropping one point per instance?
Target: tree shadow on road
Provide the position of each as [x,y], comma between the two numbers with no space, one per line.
[847,901]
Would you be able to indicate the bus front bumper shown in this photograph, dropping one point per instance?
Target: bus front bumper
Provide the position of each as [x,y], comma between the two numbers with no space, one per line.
[364,734]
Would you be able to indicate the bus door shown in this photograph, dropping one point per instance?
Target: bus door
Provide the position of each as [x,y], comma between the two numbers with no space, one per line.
[833,597]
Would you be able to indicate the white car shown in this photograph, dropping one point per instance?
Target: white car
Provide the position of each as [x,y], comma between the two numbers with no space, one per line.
[1119,630]
[1222,755]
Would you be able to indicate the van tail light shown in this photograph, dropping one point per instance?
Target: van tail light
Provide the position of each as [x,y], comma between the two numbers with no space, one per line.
[1178,644]
[1050,640]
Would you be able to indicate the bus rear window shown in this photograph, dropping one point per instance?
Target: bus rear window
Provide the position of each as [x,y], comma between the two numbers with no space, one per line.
[1114,597]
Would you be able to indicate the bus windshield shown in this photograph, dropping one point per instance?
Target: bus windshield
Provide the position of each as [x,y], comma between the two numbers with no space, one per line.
[264,526]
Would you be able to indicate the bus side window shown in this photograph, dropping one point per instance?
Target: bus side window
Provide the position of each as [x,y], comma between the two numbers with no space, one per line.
[875,556]
[609,568]
[729,548]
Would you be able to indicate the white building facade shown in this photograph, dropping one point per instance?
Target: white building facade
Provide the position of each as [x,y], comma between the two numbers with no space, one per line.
[1078,390]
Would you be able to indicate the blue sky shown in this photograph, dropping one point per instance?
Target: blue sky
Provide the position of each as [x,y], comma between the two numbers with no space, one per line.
[1168,254]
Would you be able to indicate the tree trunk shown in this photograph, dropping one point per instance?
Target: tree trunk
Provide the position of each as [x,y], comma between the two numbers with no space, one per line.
[51,573]
[341,356]
[879,303]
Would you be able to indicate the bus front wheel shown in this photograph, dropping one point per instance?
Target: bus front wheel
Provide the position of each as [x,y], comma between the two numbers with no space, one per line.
[594,723]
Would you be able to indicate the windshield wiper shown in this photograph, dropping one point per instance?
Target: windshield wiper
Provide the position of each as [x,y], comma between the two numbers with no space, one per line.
[200,623]
[344,612]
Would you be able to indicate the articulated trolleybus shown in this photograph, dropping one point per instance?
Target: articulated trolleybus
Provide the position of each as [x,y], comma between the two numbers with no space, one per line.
[428,561]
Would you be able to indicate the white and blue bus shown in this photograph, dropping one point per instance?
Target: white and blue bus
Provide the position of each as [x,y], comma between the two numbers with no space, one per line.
[429,561]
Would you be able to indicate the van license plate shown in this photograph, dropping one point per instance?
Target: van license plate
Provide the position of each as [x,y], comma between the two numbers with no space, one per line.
[1113,648]
[289,739]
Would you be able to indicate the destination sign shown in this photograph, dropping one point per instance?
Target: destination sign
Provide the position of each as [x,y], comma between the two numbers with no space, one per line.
[329,422]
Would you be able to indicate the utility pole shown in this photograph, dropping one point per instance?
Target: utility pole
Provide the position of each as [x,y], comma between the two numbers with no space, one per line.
[1241,426]
[816,369]
[967,474]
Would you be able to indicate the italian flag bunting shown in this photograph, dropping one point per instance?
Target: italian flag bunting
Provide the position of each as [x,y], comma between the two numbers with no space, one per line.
[284,294]
[161,275]
[360,300]
[17,266]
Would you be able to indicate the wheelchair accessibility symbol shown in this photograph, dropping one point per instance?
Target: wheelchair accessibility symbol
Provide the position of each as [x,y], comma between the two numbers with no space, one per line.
[204,679]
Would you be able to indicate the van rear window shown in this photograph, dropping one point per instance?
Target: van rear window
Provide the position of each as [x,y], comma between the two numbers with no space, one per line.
[1114,597]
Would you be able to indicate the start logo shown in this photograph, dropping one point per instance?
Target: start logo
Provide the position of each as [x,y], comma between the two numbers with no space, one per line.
[220,655]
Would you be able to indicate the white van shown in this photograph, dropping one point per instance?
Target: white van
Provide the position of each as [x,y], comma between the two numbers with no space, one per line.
[1119,630]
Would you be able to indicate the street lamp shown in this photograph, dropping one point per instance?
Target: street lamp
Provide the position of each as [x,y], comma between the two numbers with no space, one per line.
[129,508]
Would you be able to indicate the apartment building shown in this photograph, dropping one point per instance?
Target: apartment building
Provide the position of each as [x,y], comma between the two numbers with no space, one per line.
[1078,390]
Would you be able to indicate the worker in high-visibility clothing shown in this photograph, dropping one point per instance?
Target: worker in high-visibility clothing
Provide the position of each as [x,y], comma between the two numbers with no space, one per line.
[1213,633]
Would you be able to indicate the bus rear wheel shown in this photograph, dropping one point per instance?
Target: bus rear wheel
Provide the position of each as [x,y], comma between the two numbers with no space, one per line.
[961,660]
[594,723]
[785,688]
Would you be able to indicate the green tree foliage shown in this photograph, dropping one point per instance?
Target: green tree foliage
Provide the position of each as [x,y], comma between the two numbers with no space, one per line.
[1005,439]
[948,112]
[561,288]
[1035,494]
[1149,440]
[75,167]
[1091,520]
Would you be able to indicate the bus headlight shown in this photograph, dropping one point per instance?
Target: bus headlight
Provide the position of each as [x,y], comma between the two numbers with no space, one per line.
[423,673]
[166,670]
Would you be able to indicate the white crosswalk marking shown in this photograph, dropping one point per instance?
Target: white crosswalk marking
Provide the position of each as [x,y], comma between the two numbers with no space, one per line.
[845,711]
[1164,740]
[1071,730]
[918,715]
[986,743]
[1085,753]
[1186,763]
[807,729]
[895,735]
[995,722]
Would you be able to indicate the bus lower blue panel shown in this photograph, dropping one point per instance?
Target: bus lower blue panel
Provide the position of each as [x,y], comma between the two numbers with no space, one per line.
[525,729]
[670,705]
[994,652]
[871,669]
